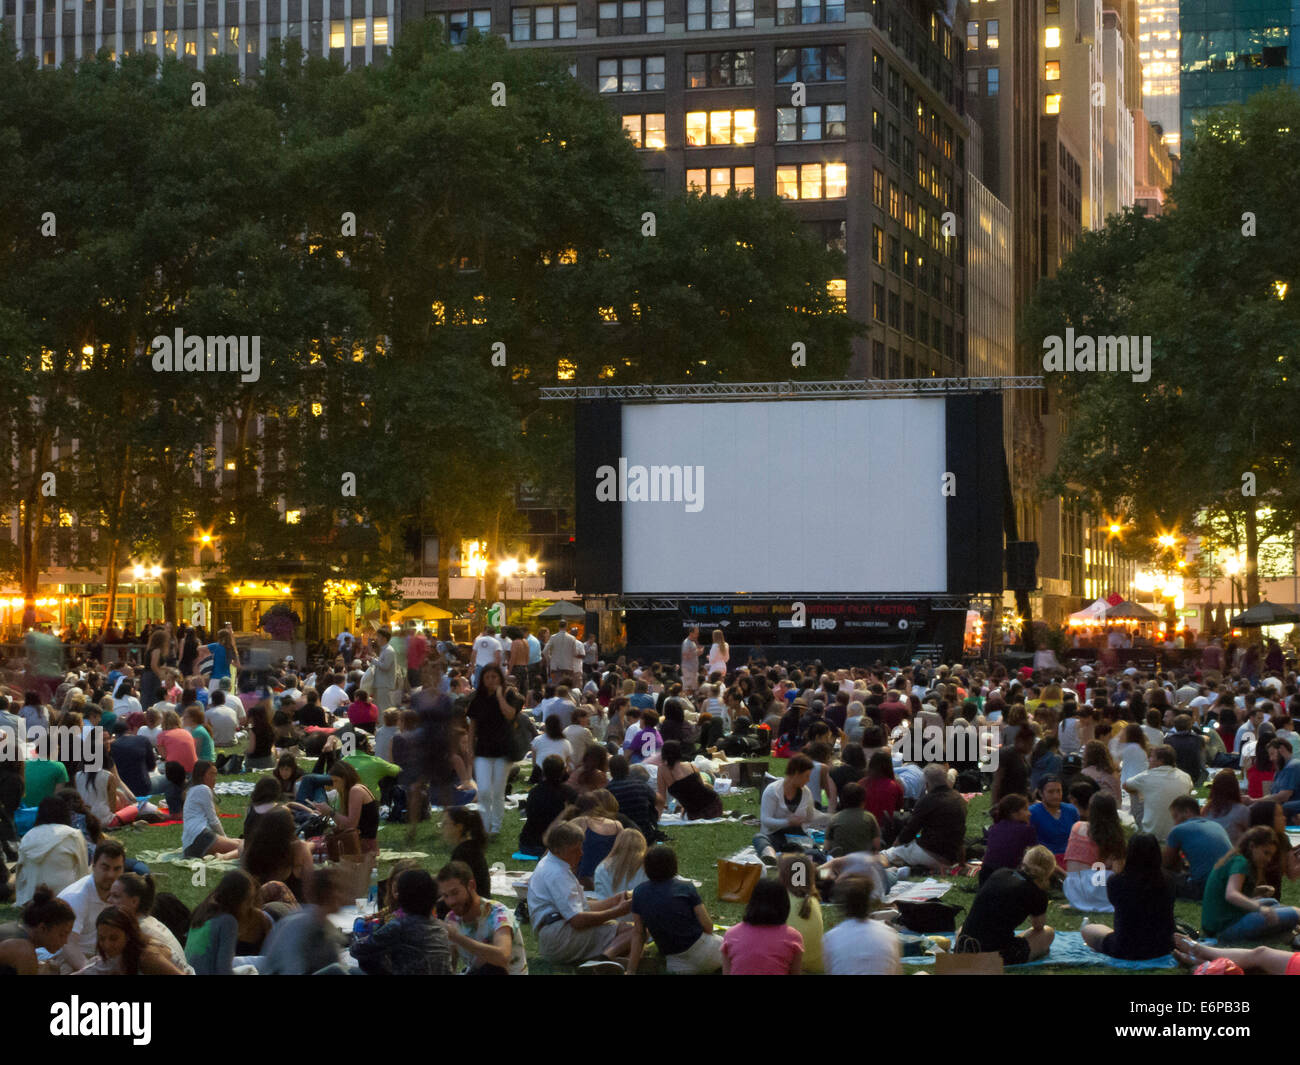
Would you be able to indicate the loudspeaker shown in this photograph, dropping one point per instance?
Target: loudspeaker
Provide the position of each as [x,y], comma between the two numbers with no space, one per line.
[1022,565]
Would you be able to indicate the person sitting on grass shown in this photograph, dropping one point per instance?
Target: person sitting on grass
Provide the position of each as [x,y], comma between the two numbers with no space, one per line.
[1267,960]
[1197,839]
[763,944]
[570,929]
[1142,896]
[1238,904]
[852,829]
[799,876]
[1096,850]
[786,811]
[464,830]
[1053,819]
[670,911]
[305,942]
[484,936]
[1007,898]
[201,833]
[122,950]
[415,942]
[933,836]
[622,868]
[859,946]
[545,802]
[45,924]
[134,894]
[1009,837]
[210,947]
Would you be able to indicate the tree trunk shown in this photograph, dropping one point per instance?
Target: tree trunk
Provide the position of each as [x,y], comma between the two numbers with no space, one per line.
[1010,527]
[169,576]
[33,509]
[115,540]
[1252,557]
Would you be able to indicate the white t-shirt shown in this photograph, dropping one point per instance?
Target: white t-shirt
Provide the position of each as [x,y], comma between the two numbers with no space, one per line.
[333,697]
[564,652]
[560,707]
[86,907]
[151,734]
[157,931]
[543,747]
[862,948]
[128,704]
[486,649]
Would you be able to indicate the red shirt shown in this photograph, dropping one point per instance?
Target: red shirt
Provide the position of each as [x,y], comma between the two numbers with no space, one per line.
[177,745]
[417,650]
[891,715]
[360,713]
[884,798]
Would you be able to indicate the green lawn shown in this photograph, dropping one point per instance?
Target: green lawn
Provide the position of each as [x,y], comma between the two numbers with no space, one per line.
[697,850]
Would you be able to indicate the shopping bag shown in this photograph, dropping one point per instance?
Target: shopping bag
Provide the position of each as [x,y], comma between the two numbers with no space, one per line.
[736,881]
[985,963]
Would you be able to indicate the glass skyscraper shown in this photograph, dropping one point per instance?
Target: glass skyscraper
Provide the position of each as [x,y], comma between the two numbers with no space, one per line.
[1231,49]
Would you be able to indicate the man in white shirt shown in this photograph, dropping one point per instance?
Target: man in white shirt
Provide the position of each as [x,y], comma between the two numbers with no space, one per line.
[1157,788]
[334,696]
[222,721]
[859,946]
[564,652]
[88,898]
[485,652]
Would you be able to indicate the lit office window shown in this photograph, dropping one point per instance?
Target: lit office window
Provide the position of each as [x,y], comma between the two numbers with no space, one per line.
[338,33]
[991,33]
[1053,106]
[1052,70]
[1053,39]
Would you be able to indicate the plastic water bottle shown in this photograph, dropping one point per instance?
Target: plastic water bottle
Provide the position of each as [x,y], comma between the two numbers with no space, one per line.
[372,898]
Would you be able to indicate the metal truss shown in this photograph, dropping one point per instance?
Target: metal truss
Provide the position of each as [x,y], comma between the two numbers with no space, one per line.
[676,603]
[864,389]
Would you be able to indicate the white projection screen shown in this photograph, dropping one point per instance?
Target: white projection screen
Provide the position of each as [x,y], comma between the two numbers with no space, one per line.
[824,496]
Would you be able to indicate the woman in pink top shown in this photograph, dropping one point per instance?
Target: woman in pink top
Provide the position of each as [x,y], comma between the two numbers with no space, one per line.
[175,743]
[1096,849]
[763,944]
[1099,767]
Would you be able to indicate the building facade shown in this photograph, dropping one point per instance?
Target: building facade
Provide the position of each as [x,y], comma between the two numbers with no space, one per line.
[1231,50]
[1158,50]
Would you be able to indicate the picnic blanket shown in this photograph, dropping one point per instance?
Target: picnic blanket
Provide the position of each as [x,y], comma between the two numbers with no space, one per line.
[1068,948]
[504,880]
[234,787]
[680,820]
[164,824]
[908,891]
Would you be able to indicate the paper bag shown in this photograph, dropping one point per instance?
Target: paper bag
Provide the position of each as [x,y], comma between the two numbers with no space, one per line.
[736,881]
[988,963]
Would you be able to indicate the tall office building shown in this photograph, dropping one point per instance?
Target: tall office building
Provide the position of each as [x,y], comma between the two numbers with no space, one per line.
[1119,55]
[56,31]
[1158,50]
[1153,166]
[990,293]
[1231,49]
[872,155]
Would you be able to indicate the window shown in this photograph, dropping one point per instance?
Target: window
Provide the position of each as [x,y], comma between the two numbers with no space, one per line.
[878,188]
[832,234]
[991,33]
[796,12]
[894,313]
[631,16]
[878,71]
[645,131]
[991,81]
[909,265]
[812,181]
[878,302]
[460,23]
[543,23]
[893,142]
[893,255]
[1052,70]
[893,86]
[893,201]
[909,212]
[814,123]
[381,30]
[878,245]
[1053,104]
[821,63]
[972,35]
[909,319]
[719,127]
[719,180]
[1053,37]
[631,74]
[718,70]
[338,33]
[877,129]
[719,14]
[358,33]
[895,363]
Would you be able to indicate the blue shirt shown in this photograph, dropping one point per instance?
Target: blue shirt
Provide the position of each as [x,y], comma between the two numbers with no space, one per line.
[912,777]
[1288,779]
[1053,832]
[220,662]
[1203,842]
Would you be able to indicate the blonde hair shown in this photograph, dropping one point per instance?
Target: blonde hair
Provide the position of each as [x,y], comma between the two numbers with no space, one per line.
[1039,863]
[171,719]
[392,716]
[624,859]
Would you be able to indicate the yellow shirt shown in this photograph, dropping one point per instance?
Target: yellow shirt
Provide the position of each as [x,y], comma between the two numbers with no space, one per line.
[811,929]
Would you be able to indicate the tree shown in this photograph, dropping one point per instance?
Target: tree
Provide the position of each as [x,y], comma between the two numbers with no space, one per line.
[1173,453]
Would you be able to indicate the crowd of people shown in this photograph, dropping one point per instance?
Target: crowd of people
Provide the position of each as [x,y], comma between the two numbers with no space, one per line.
[1091,795]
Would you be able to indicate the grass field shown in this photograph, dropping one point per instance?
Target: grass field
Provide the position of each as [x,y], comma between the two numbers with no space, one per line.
[697,851]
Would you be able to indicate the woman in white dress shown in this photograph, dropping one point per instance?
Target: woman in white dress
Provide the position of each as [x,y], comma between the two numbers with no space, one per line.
[718,654]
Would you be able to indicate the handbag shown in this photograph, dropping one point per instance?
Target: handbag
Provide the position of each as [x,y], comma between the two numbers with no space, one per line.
[736,881]
[342,843]
[927,916]
[522,732]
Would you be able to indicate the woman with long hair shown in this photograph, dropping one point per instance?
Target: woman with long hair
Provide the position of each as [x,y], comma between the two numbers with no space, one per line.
[884,799]
[1238,903]
[798,876]
[1225,805]
[599,833]
[683,782]
[225,657]
[134,895]
[622,869]
[1285,862]
[122,949]
[151,677]
[1095,851]
[201,832]
[491,715]
[1141,894]
[261,738]
[273,851]
[719,654]
[592,773]
[357,807]
[211,944]
[1100,768]
[463,829]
